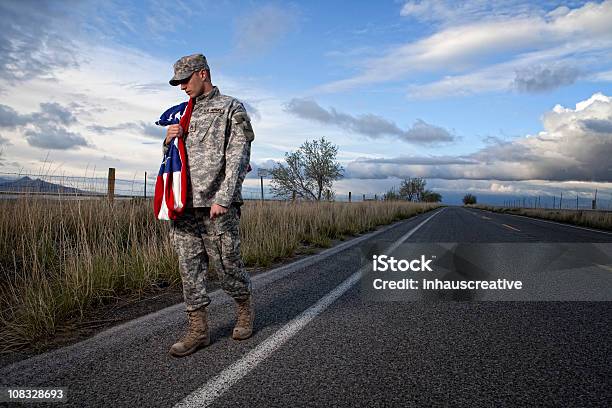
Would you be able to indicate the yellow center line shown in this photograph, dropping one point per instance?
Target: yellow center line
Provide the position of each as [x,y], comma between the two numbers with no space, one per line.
[606,267]
[511,227]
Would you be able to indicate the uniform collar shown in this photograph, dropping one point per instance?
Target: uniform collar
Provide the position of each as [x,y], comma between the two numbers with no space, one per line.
[207,96]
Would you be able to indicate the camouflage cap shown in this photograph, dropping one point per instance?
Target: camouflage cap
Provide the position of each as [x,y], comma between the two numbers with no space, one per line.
[185,66]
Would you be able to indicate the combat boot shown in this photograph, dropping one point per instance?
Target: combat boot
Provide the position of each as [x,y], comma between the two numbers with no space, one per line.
[244,321]
[197,334]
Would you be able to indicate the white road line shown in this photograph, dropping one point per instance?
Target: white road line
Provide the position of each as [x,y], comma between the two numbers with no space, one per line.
[207,394]
[511,227]
[606,267]
[552,222]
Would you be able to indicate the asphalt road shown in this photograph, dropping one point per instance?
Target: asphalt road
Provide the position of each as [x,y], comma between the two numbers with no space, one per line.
[320,342]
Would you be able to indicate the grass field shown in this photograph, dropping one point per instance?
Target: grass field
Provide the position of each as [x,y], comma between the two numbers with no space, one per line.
[60,259]
[594,219]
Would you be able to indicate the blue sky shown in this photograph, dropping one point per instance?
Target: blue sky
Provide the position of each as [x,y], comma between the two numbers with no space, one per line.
[499,98]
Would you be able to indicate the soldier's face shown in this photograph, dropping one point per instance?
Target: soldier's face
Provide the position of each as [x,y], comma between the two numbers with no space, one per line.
[194,86]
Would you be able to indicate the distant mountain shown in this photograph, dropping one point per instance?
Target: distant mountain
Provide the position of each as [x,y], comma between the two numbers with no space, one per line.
[26,184]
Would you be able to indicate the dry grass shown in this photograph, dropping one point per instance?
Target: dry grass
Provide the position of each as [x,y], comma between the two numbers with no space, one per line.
[593,219]
[59,259]
[275,230]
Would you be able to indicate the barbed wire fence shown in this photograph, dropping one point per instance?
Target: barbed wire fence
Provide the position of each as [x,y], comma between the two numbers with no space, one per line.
[26,183]
[563,202]
[16,184]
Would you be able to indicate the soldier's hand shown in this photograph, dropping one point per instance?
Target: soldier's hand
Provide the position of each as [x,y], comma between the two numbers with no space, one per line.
[172,132]
[217,210]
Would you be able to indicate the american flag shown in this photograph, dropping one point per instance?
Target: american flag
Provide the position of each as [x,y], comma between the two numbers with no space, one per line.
[170,188]
[171,184]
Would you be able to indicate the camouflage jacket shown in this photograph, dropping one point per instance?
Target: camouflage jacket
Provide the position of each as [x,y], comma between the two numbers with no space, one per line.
[218,149]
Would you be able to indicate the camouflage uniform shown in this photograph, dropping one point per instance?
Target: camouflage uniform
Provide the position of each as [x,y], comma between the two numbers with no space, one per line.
[218,149]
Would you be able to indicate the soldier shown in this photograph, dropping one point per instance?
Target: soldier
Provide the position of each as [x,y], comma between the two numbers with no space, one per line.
[218,146]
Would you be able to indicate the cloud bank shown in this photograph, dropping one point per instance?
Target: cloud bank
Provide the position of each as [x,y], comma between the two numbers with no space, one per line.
[575,145]
[539,78]
[507,47]
[369,125]
[46,128]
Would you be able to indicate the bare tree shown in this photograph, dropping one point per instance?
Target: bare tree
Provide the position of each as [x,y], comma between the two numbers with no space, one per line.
[469,199]
[309,172]
[412,188]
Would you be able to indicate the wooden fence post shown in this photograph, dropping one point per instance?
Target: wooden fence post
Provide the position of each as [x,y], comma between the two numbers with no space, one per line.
[262,193]
[349,196]
[111,184]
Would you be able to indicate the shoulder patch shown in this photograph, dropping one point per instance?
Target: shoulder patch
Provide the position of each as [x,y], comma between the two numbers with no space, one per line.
[240,117]
[242,120]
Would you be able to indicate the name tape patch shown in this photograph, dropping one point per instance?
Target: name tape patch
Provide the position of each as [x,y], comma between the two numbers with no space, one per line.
[214,110]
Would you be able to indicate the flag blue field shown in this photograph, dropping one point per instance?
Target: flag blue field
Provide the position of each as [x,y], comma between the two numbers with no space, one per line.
[172,115]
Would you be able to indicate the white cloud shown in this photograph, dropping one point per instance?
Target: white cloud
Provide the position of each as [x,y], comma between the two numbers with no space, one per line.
[4,142]
[501,188]
[452,12]
[601,76]
[491,79]
[536,71]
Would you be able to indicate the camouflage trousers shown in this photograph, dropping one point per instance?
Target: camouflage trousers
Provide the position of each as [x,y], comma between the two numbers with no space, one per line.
[199,242]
